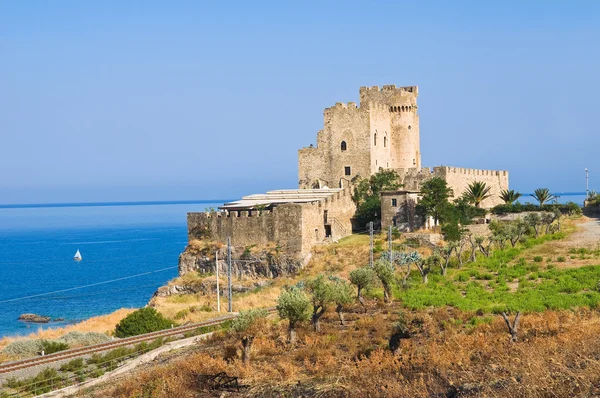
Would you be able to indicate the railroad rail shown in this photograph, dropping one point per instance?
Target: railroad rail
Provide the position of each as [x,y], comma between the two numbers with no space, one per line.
[8,367]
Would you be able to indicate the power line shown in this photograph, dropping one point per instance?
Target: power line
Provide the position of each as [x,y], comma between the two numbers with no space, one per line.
[84,286]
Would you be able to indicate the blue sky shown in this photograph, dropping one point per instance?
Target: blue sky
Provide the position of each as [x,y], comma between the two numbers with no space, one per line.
[148,100]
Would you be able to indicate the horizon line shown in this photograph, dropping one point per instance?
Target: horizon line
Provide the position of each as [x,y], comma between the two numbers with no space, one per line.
[161,202]
[108,204]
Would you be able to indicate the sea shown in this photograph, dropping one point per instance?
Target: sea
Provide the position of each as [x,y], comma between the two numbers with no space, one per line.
[128,250]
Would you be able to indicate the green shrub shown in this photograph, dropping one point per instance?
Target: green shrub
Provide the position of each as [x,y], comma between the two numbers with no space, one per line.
[561,259]
[181,314]
[50,347]
[144,320]
[538,259]
[72,366]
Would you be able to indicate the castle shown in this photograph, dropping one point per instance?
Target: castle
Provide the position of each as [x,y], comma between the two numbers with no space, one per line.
[356,141]
[383,133]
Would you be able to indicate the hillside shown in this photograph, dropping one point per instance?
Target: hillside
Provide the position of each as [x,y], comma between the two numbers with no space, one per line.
[457,343]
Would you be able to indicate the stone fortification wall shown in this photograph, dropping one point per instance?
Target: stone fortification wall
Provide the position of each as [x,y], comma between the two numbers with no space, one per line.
[281,225]
[458,179]
[336,212]
[295,228]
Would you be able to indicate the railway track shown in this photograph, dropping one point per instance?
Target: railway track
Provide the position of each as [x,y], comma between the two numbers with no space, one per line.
[78,352]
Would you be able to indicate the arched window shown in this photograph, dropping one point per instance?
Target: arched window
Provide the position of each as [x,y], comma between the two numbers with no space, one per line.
[375,140]
[384,142]
[343,145]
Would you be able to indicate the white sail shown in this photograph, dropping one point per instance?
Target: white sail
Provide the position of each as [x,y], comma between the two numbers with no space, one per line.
[77,255]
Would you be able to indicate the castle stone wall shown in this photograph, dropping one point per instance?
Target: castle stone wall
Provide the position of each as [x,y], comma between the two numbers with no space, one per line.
[294,227]
[458,179]
[281,225]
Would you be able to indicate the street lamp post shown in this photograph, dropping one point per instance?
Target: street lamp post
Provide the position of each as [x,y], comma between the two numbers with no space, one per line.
[587,190]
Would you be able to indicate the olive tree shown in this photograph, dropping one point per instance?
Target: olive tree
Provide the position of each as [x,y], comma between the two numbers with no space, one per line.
[341,295]
[363,278]
[247,325]
[384,270]
[293,305]
[321,295]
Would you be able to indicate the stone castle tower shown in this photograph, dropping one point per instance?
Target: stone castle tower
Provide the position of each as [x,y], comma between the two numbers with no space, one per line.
[383,132]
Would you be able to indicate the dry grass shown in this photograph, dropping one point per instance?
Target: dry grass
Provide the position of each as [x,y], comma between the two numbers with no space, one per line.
[557,355]
[101,324]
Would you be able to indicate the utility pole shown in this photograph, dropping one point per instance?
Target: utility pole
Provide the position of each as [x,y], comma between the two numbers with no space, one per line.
[371,250]
[390,243]
[217,272]
[587,189]
[229,272]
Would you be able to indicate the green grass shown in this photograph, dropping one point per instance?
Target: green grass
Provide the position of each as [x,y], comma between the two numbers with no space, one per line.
[488,285]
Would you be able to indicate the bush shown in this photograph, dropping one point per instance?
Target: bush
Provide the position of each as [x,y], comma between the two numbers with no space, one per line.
[144,320]
[72,366]
[50,347]
[538,259]
[561,259]
[83,339]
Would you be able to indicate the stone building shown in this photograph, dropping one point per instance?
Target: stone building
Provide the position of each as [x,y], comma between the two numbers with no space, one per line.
[398,209]
[383,132]
[295,220]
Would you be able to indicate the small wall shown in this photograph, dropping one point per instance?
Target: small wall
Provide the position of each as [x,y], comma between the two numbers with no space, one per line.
[458,179]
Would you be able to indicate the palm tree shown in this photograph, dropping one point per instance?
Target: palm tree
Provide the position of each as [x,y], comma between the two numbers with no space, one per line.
[510,196]
[542,195]
[477,192]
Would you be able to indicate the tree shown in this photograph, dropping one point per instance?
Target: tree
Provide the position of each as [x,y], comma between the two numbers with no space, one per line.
[477,192]
[547,220]
[534,220]
[486,249]
[434,201]
[542,195]
[424,266]
[321,296]
[384,270]
[144,320]
[446,254]
[366,194]
[510,196]
[293,305]
[516,229]
[363,278]
[341,293]
[512,327]
[247,325]
[499,233]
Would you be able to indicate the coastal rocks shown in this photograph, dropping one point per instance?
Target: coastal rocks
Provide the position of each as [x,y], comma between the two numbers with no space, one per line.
[34,318]
[251,264]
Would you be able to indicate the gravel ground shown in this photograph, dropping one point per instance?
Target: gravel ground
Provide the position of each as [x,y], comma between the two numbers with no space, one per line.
[587,235]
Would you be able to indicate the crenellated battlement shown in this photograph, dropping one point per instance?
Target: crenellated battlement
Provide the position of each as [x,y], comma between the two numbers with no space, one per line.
[390,87]
[474,172]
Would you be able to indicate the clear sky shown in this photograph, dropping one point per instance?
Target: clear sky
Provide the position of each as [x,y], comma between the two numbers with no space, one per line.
[156,100]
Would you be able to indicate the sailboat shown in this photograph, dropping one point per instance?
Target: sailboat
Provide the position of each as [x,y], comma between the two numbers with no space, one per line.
[77,256]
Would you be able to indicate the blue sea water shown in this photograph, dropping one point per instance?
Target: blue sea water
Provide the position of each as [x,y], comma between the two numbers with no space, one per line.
[132,247]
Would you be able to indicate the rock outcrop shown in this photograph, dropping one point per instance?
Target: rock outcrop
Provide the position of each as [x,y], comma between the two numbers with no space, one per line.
[35,318]
[253,263]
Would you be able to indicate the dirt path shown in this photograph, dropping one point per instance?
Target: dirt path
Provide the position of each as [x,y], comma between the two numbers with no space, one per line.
[587,235]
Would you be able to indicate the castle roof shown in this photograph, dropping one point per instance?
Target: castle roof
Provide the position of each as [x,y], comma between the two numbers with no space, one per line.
[278,197]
